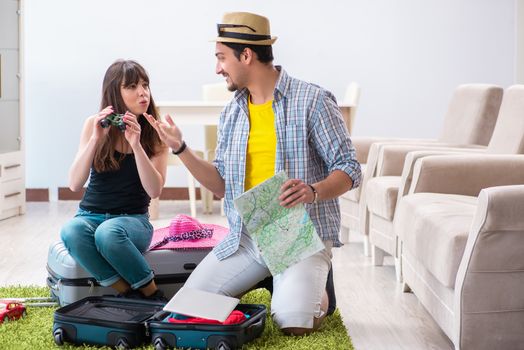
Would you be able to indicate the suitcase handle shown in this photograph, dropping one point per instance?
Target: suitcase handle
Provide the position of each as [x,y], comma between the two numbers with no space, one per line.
[53,285]
[252,328]
[56,285]
[190,266]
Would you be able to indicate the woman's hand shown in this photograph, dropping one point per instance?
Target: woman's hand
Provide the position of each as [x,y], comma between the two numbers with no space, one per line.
[98,130]
[133,129]
[168,132]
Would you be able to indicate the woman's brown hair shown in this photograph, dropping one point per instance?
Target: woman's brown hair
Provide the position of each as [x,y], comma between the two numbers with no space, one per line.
[126,73]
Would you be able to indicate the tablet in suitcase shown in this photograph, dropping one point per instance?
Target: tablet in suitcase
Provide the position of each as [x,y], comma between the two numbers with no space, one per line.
[165,335]
[69,282]
[112,321]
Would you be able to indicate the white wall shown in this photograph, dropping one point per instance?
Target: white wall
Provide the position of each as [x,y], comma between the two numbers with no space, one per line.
[407,55]
[519,42]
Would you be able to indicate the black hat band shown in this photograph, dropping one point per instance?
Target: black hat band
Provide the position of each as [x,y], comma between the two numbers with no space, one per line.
[250,37]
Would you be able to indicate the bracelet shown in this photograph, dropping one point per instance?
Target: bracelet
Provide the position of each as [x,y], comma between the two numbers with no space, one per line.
[315,193]
[180,150]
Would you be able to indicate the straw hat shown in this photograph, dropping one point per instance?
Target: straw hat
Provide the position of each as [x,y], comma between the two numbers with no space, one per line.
[244,28]
[185,232]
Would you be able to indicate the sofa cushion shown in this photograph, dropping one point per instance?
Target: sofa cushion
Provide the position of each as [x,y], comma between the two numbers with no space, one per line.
[434,228]
[381,195]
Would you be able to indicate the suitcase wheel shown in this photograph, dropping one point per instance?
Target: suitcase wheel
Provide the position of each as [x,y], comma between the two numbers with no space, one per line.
[160,343]
[58,336]
[220,342]
[122,344]
[223,345]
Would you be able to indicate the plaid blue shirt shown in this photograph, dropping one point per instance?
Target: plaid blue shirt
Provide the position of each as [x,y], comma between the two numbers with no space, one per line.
[312,142]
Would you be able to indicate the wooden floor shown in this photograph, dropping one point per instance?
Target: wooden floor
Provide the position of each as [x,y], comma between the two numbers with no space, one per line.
[375,311]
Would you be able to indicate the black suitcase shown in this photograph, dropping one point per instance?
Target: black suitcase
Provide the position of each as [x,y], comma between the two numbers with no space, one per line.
[105,320]
[165,335]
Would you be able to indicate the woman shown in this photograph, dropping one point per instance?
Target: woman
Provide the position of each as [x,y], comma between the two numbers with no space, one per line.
[127,168]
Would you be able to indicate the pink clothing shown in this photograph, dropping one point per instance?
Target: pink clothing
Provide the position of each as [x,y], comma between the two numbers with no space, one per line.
[235,317]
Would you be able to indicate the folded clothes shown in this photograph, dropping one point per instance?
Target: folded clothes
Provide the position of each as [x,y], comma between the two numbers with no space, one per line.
[234,317]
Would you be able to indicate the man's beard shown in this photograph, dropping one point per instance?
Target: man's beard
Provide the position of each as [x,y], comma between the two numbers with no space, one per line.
[232,87]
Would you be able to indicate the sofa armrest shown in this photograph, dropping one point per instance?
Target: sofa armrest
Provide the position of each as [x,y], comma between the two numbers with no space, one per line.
[490,279]
[391,157]
[411,158]
[466,174]
[374,152]
[363,144]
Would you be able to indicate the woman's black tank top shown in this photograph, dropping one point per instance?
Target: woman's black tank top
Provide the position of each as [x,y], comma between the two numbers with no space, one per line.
[116,192]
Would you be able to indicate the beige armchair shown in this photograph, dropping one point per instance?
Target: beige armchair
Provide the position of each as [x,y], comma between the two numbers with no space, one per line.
[469,122]
[488,301]
[385,191]
[462,254]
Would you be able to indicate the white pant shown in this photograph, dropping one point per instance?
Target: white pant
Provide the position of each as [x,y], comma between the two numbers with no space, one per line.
[297,292]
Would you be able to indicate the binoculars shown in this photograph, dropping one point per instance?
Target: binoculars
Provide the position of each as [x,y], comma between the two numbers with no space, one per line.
[115,120]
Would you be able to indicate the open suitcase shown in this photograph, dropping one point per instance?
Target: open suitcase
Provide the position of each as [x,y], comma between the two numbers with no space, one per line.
[127,323]
[165,335]
[69,282]
[106,320]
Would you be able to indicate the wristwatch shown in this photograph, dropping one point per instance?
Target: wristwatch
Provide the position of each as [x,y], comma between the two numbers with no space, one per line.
[315,193]
[180,150]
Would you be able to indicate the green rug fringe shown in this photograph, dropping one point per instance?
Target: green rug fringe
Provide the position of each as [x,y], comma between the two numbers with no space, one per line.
[35,330]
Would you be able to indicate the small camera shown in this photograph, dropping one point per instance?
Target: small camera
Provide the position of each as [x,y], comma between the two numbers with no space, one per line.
[115,120]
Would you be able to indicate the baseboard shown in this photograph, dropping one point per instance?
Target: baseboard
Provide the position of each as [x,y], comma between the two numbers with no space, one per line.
[168,193]
[65,194]
[37,195]
[178,193]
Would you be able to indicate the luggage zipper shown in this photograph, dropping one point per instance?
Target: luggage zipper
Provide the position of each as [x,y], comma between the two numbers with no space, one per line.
[76,282]
[146,326]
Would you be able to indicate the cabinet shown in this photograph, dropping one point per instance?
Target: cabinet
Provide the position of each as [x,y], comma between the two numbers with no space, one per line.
[12,173]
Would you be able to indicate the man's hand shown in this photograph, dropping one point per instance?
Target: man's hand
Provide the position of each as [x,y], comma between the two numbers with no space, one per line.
[295,191]
[168,132]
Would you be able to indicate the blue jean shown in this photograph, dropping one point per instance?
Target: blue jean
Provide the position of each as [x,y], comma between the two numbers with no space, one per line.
[110,247]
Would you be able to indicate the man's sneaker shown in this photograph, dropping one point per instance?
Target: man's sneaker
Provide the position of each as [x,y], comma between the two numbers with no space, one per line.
[330,290]
[266,283]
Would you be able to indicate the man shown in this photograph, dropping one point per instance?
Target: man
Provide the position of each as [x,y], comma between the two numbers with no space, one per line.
[273,123]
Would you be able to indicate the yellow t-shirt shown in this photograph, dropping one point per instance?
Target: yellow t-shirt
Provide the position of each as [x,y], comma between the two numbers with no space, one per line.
[261,144]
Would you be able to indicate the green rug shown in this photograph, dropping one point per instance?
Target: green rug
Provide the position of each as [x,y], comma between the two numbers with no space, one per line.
[35,330]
